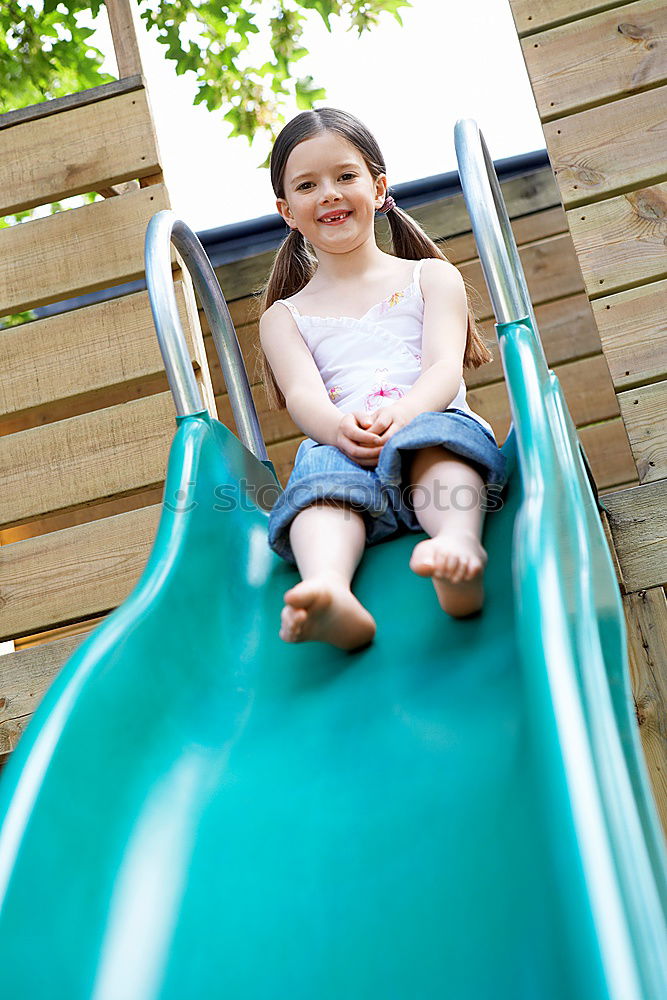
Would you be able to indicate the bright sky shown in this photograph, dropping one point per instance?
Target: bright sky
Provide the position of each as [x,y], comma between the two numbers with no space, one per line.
[408,84]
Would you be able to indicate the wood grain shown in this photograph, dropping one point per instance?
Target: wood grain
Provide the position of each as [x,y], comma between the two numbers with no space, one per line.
[526,229]
[78,150]
[609,149]
[76,251]
[608,452]
[638,522]
[644,412]
[92,95]
[124,35]
[621,242]
[646,619]
[551,270]
[27,674]
[54,358]
[536,15]
[595,59]
[633,331]
[75,573]
[84,458]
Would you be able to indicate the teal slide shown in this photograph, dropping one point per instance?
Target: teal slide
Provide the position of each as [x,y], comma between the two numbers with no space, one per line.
[199,809]
[460,810]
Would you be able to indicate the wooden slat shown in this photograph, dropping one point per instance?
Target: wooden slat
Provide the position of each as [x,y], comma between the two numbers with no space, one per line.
[536,15]
[638,522]
[448,217]
[567,330]
[83,515]
[609,149]
[621,242]
[56,358]
[72,574]
[526,229]
[586,386]
[10,734]
[551,269]
[598,58]
[644,412]
[45,109]
[76,251]
[79,150]
[608,453]
[633,331]
[26,675]
[79,460]
[646,618]
[275,424]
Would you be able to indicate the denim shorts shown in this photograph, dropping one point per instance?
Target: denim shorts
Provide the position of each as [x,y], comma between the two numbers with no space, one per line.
[381,494]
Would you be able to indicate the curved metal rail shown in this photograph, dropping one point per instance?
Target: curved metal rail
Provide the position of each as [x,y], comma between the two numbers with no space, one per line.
[164,229]
[575,610]
[496,245]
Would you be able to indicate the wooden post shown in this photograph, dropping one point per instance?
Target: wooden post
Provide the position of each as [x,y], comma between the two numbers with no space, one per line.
[124,35]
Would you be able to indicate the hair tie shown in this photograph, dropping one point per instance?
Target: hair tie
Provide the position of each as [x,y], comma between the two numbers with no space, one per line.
[387,205]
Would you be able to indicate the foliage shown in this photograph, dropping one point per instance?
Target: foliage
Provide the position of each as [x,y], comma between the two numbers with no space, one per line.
[44,53]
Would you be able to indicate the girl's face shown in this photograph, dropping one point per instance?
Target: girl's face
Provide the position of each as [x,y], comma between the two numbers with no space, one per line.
[330,194]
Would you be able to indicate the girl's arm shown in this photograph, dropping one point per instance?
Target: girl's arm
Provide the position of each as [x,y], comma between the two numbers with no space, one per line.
[296,373]
[443,338]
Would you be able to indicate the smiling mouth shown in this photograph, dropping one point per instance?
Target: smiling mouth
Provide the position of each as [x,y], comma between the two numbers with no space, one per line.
[334,219]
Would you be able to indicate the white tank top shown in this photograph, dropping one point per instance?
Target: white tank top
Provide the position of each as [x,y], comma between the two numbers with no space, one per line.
[370,362]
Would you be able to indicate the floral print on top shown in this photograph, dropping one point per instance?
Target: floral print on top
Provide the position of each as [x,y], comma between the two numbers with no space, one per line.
[391,301]
[334,392]
[381,391]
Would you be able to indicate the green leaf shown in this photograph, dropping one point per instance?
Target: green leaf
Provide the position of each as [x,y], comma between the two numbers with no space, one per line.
[46,53]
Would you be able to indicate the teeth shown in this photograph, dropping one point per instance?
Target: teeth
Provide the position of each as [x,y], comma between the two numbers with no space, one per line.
[334,218]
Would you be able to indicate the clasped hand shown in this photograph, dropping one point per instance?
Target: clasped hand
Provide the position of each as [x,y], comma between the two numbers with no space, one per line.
[362,436]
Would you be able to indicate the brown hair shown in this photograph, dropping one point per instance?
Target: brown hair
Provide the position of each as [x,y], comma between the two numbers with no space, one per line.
[294,264]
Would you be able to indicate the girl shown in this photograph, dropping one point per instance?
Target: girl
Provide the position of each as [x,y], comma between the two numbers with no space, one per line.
[366,350]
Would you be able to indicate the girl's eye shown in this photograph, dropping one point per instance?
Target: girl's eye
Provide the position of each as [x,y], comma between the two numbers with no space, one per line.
[304,184]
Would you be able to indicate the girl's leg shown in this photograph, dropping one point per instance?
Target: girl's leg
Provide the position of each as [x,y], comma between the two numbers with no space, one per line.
[447,501]
[328,539]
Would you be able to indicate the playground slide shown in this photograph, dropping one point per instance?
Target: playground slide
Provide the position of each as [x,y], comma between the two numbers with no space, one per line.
[459,811]
[199,809]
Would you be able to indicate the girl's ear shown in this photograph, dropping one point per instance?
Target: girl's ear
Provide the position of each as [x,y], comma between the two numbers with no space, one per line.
[284,210]
[380,190]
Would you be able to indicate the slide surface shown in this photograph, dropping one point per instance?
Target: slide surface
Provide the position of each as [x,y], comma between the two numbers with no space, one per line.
[199,809]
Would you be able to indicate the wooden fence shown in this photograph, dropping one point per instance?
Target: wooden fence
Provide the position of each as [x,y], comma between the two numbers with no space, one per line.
[599,76]
[86,418]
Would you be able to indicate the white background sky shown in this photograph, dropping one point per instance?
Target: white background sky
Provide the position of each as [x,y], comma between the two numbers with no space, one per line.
[408,84]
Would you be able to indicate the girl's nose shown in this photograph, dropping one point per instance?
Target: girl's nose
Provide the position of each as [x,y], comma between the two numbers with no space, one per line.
[330,193]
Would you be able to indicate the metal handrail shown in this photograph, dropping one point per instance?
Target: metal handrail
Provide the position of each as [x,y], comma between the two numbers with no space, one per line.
[622,884]
[164,229]
[491,227]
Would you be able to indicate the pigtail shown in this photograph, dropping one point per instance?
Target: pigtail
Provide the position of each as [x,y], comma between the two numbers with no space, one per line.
[411,243]
[293,267]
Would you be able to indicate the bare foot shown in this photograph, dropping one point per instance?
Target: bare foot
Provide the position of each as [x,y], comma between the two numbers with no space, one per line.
[456,564]
[324,609]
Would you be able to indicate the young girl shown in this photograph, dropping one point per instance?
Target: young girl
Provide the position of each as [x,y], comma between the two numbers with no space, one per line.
[366,350]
